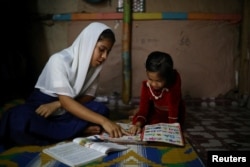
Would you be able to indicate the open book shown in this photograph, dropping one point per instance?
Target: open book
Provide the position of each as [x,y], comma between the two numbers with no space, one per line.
[164,132]
[81,151]
[161,132]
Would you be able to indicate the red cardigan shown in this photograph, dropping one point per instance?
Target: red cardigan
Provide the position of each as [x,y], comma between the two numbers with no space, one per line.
[165,109]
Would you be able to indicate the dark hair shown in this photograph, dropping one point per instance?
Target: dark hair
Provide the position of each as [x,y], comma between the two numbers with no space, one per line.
[107,34]
[162,63]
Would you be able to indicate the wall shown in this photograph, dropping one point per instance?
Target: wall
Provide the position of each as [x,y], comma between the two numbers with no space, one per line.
[205,52]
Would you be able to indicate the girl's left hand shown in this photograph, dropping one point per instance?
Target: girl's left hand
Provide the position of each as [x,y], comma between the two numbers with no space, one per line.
[46,110]
[135,129]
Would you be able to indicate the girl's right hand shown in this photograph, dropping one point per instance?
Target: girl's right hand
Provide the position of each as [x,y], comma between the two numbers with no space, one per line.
[113,129]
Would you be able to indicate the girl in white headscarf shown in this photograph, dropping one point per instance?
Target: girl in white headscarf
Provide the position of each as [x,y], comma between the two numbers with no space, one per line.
[62,106]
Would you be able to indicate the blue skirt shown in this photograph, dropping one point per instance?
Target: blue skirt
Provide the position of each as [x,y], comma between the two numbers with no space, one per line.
[22,126]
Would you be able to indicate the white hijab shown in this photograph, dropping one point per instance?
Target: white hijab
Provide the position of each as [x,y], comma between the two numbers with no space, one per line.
[66,71]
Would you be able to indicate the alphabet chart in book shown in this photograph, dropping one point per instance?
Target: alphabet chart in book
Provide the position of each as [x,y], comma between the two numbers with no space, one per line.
[164,132]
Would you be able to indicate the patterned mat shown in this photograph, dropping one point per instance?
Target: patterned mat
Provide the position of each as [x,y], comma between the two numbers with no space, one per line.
[137,155]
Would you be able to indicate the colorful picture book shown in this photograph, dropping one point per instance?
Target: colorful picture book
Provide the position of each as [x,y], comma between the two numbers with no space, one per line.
[164,132]
[161,132]
[82,151]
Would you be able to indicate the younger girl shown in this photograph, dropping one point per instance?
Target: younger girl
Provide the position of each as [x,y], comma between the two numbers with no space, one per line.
[161,99]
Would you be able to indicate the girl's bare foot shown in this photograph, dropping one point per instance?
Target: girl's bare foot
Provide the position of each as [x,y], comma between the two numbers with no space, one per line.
[92,130]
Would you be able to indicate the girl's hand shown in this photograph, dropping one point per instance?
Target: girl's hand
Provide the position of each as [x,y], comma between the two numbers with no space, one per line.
[135,129]
[46,110]
[113,129]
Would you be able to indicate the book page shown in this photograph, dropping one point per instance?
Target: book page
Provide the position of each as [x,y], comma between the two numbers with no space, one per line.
[123,139]
[164,132]
[106,147]
[103,147]
[73,154]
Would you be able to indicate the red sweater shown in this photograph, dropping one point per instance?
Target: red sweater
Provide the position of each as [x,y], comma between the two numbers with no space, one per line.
[165,109]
